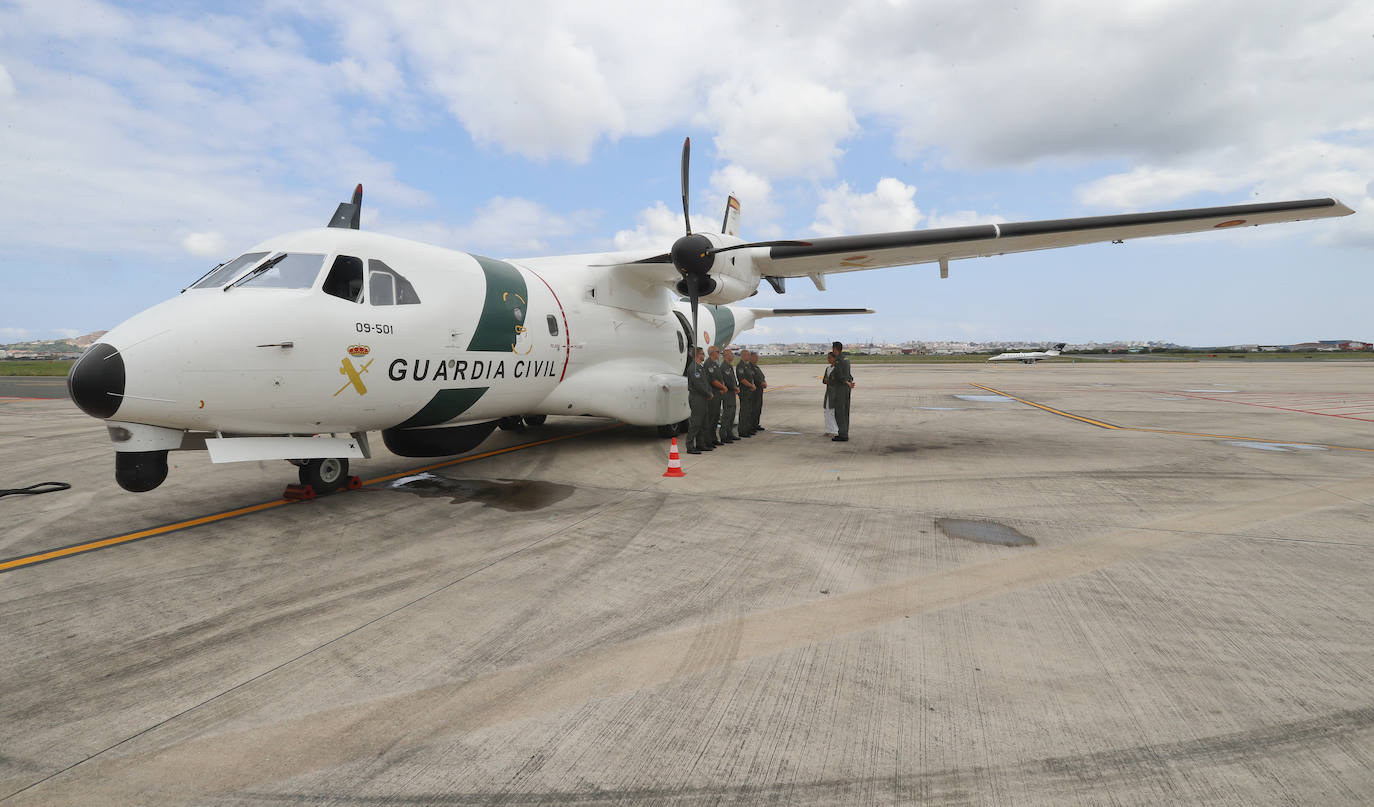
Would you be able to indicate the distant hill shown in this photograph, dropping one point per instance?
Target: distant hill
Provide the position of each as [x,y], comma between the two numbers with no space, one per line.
[60,348]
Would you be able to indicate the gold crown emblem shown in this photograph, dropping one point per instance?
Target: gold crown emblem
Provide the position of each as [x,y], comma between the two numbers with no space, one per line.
[359,350]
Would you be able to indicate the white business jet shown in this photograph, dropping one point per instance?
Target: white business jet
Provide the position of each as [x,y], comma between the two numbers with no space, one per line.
[1030,357]
[303,345]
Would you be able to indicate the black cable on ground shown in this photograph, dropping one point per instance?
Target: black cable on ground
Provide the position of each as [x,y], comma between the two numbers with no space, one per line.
[33,490]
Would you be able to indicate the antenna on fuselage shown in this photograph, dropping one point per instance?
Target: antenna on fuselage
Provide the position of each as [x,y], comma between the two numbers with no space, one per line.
[346,217]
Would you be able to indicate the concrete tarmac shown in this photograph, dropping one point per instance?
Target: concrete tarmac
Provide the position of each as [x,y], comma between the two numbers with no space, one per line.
[795,622]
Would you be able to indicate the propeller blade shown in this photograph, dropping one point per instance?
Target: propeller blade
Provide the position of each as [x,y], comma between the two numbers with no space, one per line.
[686,161]
[692,296]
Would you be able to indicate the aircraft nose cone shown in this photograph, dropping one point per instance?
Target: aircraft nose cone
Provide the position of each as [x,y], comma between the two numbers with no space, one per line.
[96,381]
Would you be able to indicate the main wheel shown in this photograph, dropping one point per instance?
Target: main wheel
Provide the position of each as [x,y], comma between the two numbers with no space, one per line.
[669,430]
[511,423]
[325,476]
[535,420]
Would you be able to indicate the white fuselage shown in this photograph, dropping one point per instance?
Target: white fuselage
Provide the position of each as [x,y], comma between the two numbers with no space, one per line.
[542,337]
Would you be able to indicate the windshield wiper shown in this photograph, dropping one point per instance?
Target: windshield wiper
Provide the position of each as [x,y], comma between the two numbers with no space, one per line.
[262,267]
[213,269]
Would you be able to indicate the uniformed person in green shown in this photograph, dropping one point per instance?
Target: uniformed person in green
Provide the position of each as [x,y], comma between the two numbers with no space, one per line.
[841,382]
[747,390]
[728,405]
[712,368]
[698,396]
[761,382]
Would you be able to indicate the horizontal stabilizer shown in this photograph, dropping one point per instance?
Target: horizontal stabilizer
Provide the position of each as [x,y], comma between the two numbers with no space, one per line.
[808,312]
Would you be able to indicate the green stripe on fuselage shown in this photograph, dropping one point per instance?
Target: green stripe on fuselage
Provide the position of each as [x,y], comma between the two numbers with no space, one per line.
[505,308]
[446,405]
[725,324]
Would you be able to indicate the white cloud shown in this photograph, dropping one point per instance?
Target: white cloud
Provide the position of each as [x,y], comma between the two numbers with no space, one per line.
[888,208]
[504,226]
[656,231]
[209,244]
[6,83]
[69,333]
[1144,186]
[755,194]
[15,334]
[781,128]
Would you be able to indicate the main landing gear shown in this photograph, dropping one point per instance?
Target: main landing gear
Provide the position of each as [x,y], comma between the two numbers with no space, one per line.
[672,429]
[321,477]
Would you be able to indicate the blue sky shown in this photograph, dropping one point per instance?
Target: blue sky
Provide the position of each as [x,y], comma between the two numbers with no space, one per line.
[142,143]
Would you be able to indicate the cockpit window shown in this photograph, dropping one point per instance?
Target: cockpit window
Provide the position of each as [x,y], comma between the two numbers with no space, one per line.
[345,279]
[226,272]
[293,270]
[386,287]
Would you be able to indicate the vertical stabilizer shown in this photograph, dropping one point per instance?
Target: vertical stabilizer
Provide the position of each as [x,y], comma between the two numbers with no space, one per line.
[731,224]
[349,213]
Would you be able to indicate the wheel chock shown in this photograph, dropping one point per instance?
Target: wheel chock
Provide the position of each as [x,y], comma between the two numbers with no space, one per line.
[299,493]
[355,482]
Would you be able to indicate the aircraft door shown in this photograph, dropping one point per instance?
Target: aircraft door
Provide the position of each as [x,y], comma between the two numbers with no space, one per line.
[685,339]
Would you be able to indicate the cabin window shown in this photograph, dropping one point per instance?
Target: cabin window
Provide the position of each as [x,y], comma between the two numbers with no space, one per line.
[345,279]
[294,270]
[681,347]
[553,325]
[223,274]
[385,286]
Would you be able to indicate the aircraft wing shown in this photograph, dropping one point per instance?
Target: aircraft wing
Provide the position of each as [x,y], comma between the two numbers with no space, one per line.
[851,253]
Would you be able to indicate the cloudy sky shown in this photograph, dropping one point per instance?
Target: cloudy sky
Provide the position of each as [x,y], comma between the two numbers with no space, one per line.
[141,143]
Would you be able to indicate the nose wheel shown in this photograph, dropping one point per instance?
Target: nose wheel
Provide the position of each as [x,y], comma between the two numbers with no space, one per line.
[324,476]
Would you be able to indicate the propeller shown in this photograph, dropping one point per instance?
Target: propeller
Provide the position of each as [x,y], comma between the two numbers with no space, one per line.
[694,255]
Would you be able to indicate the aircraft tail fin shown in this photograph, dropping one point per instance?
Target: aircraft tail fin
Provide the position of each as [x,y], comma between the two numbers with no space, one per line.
[730,226]
[1057,349]
[348,213]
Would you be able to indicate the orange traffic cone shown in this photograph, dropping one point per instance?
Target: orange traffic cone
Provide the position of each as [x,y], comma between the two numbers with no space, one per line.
[674,462]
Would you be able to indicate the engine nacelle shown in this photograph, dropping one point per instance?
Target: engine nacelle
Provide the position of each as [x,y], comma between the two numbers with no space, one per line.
[730,290]
[735,276]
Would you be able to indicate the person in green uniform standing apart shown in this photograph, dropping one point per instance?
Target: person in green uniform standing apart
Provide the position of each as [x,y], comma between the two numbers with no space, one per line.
[727,404]
[698,396]
[840,382]
[747,390]
[760,384]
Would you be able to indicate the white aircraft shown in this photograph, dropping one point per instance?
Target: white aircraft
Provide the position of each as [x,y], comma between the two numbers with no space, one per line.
[304,344]
[1029,357]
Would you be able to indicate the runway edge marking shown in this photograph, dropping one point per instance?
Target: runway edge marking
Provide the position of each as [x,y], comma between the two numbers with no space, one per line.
[71,550]
[1146,430]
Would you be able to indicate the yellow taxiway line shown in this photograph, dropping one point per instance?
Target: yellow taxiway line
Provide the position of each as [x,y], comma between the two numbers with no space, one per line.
[115,540]
[1114,427]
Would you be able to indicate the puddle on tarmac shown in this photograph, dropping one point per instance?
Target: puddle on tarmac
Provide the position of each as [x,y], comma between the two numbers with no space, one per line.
[983,398]
[511,495]
[1275,446]
[984,532]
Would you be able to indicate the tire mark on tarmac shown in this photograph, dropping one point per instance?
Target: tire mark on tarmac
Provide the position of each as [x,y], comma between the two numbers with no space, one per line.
[233,761]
